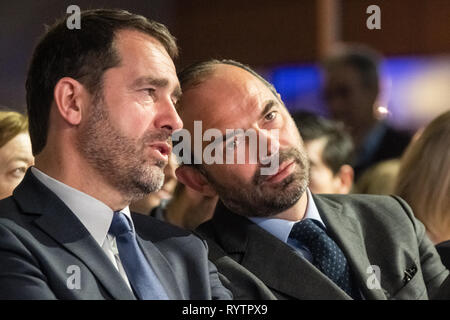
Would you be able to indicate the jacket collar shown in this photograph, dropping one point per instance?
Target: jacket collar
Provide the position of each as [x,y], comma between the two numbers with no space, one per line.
[345,229]
[56,219]
[269,259]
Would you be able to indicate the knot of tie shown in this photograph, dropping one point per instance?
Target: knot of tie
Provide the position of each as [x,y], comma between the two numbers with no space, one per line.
[119,224]
[307,232]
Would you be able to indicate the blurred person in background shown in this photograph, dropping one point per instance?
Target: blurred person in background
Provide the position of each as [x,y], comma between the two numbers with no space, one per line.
[351,89]
[176,203]
[424,182]
[330,152]
[187,209]
[379,179]
[15,151]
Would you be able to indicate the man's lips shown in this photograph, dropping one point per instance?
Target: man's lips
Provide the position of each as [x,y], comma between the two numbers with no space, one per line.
[286,168]
[163,148]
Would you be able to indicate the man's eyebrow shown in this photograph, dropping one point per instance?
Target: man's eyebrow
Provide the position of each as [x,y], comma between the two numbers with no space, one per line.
[176,93]
[269,105]
[160,83]
[157,82]
[19,158]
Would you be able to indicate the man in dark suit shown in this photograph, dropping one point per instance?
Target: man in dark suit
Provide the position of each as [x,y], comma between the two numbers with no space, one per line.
[270,237]
[101,110]
[351,91]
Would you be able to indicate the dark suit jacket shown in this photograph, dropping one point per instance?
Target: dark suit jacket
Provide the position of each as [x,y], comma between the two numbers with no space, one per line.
[370,230]
[443,249]
[40,239]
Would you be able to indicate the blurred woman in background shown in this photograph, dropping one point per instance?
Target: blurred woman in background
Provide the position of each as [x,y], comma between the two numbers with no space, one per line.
[424,182]
[15,151]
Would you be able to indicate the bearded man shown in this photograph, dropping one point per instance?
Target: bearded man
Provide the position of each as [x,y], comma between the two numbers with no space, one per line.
[269,235]
[101,109]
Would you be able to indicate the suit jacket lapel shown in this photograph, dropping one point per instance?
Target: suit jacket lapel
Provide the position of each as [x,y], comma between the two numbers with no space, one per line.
[161,268]
[271,260]
[56,219]
[346,232]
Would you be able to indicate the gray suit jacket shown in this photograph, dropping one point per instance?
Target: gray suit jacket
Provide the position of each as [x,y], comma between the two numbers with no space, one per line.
[370,230]
[43,246]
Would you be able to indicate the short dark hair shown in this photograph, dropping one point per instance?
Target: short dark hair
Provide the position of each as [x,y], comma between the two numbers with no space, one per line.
[338,149]
[83,54]
[196,73]
[363,59]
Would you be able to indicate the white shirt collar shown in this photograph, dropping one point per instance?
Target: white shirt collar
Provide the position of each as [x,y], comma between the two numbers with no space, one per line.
[281,228]
[93,214]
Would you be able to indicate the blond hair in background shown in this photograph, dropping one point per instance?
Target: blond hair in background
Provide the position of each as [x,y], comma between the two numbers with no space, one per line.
[11,124]
[424,178]
[379,179]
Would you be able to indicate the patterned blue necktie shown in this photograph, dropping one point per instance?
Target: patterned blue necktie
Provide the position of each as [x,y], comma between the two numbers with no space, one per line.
[327,256]
[140,275]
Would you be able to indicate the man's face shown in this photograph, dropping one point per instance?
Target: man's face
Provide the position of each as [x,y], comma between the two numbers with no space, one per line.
[322,178]
[347,98]
[126,136]
[15,158]
[232,98]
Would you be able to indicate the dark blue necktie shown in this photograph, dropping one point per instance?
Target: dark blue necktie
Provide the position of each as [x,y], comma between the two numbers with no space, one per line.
[142,279]
[327,256]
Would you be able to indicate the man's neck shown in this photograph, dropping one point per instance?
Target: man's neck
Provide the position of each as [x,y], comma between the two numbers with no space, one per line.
[81,177]
[297,211]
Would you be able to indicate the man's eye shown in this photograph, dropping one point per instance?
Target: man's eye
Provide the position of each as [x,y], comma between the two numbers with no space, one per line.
[270,116]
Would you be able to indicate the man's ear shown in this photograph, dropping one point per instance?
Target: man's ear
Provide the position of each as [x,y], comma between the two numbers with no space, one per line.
[195,180]
[69,95]
[345,175]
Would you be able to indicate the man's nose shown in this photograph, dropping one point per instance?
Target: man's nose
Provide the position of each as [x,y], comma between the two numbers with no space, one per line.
[168,117]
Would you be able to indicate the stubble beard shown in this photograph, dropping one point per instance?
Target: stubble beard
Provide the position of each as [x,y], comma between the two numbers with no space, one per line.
[120,160]
[257,199]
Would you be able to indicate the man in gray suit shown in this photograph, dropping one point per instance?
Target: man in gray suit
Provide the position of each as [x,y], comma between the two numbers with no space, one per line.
[270,237]
[101,109]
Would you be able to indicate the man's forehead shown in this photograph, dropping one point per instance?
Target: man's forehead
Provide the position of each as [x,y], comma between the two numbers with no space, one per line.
[134,45]
[228,94]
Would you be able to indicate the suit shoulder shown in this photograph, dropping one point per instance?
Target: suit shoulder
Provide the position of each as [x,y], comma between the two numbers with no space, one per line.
[382,206]
[156,230]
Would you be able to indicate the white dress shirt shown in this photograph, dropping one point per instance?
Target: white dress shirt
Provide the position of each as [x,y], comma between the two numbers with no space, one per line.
[93,214]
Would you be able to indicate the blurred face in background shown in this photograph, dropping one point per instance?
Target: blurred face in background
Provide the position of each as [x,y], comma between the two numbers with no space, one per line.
[347,98]
[15,158]
[322,179]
